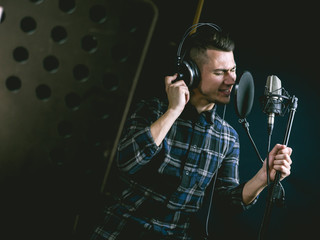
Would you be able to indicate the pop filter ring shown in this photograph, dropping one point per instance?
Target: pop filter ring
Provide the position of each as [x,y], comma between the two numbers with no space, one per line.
[244,95]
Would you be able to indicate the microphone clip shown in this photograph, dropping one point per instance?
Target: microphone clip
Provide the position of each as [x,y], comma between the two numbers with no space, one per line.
[275,103]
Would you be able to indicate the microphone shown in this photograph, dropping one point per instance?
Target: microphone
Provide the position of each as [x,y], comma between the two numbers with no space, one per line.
[273,99]
[1,13]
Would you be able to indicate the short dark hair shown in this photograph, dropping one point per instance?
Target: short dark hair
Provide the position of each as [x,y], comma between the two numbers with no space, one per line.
[208,38]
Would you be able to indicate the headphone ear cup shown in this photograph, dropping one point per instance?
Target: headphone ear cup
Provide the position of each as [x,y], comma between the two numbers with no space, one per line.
[190,73]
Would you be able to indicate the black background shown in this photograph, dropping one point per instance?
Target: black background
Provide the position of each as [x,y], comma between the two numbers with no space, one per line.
[272,38]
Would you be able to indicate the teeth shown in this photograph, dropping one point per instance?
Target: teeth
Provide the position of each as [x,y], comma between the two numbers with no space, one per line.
[225,91]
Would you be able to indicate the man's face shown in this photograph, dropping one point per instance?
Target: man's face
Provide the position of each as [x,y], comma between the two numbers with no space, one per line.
[218,75]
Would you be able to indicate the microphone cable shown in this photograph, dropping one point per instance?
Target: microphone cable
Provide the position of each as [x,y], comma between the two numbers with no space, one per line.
[245,125]
[270,193]
[267,159]
[216,174]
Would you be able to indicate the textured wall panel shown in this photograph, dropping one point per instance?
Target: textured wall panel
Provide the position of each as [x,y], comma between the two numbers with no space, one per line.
[68,72]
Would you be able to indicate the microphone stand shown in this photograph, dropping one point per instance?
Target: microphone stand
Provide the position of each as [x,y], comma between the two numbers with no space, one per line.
[274,193]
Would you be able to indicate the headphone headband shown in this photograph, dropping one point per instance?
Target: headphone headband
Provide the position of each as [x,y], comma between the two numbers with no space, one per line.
[190,29]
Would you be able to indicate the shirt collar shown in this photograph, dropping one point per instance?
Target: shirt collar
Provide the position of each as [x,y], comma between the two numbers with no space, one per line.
[210,115]
[191,113]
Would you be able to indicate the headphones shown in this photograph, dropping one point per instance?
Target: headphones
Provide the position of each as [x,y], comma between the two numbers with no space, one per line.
[187,69]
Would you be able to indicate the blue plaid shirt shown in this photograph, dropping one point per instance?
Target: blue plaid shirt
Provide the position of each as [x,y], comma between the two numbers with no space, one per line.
[166,184]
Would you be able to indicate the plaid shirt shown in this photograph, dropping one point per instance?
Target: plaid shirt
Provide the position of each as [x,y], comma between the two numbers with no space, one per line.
[166,184]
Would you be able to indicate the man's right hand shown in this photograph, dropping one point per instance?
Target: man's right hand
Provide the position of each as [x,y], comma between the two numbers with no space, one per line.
[178,93]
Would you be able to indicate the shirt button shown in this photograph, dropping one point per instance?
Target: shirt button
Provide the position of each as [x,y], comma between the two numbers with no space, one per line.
[187,173]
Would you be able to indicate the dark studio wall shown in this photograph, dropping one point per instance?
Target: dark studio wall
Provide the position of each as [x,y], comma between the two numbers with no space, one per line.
[68,68]
[271,39]
[68,72]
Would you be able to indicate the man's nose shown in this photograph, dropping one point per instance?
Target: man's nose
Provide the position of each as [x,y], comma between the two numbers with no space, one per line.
[230,78]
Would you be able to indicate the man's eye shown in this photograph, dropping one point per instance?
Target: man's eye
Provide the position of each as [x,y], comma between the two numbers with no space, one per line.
[218,73]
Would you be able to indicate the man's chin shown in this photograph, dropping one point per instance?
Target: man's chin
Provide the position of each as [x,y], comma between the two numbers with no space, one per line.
[223,101]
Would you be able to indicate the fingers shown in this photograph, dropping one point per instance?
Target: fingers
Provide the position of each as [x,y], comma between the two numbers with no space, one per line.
[282,160]
[280,149]
[177,93]
[285,150]
[282,165]
[168,79]
[276,149]
[180,84]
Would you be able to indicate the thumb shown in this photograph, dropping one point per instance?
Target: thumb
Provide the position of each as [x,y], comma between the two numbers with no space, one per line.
[168,79]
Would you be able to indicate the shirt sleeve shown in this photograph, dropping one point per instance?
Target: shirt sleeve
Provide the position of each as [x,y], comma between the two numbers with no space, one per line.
[136,146]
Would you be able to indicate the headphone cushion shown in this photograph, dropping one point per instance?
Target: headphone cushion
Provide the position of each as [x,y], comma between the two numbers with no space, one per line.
[190,73]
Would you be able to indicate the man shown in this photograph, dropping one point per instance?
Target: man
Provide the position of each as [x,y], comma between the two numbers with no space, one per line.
[171,150]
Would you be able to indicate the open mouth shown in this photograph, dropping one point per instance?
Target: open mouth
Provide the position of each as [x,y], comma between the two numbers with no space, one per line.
[225,92]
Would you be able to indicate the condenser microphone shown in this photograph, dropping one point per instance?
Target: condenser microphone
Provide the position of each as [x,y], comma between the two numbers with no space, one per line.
[1,13]
[273,99]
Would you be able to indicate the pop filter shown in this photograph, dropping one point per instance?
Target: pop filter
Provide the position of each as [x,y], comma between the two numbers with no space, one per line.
[244,95]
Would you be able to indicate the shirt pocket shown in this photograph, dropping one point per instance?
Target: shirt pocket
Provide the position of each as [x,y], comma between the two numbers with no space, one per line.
[189,179]
[208,165]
